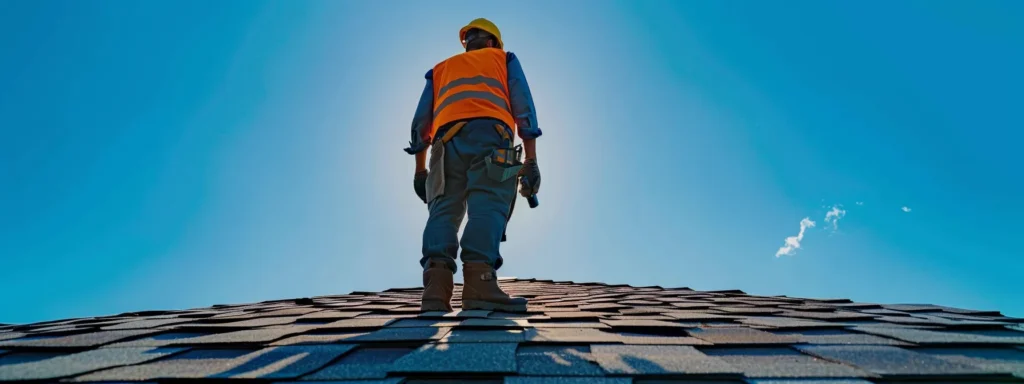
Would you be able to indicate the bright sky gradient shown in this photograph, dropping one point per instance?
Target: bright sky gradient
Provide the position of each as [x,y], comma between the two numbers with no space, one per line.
[179,154]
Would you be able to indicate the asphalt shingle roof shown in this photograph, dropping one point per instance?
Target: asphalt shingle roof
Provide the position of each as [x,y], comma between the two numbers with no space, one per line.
[572,333]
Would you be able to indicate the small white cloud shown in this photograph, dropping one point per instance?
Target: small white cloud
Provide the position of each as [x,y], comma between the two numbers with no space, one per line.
[905,209]
[833,216]
[793,242]
[860,203]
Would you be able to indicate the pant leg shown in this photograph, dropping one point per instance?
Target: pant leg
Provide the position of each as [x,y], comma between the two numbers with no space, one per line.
[440,236]
[488,200]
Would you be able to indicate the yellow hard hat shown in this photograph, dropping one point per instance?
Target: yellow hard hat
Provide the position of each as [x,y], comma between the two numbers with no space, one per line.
[482,24]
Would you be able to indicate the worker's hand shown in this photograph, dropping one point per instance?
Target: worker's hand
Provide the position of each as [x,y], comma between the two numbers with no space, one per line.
[419,183]
[532,173]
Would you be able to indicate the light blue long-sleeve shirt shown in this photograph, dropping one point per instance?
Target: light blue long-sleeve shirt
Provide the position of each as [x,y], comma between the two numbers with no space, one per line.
[523,110]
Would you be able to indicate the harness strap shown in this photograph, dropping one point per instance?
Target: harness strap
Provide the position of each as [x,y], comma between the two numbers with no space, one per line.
[454,130]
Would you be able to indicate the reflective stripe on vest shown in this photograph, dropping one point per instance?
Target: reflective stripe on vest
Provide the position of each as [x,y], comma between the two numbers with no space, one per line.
[470,81]
[497,100]
[472,85]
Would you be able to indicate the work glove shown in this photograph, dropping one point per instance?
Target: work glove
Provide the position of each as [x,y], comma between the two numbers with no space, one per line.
[532,173]
[419,183]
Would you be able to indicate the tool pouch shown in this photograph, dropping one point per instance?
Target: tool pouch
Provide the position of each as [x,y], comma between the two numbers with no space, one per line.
[504,163]
[435,176]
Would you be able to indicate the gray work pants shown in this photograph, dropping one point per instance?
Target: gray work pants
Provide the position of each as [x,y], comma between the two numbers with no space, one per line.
[468,187]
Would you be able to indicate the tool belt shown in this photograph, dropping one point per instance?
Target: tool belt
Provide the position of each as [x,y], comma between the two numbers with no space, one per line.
[503,163]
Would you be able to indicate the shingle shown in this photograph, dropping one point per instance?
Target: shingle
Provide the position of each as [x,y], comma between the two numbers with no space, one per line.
[883,311]
[602,307]
[809,381]
[594,324]
[646,339]
[61,329]
[546,360]
[28,357]
[646,311]
[10,335]
[691,305]
[249,323]
[357,323]
[975,312]
[748,310]
[913,307]
[388,316]
[493,323]
[698,316]
[741,336]
[449,379]
[641,380]
[648,318]
[346,304]
[1009,360]
[640,302]
[404,334]
[332,315]
[284,362]
[77,363]
[567,380]
[643,324]
[380,307]
[294,311]
[839,337]
[159,340]
[767,302]
[143,324]
[959,323]
[830,316]
[415,323]
[79,340]
[363,363]
[523,316]
[924,336]
[959,316]
[783,363]
[890,361]
[468,314]
[789,322]
[570,335]
[657,360]
[321,338]
[576,315]
[808,307]
[191,364]
[261,335]
[460,357]
[484,336]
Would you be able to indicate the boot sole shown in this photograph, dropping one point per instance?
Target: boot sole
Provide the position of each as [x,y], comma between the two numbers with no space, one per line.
[489,306]
[433,306]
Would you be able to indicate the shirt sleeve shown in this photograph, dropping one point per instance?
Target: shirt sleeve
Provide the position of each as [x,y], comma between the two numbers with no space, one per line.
[423,118]
[523,110]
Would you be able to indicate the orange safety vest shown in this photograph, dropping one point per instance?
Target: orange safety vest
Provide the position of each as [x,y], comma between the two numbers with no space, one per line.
[469,85]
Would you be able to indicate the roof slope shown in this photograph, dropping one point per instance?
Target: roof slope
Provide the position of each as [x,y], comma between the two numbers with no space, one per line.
[573,333]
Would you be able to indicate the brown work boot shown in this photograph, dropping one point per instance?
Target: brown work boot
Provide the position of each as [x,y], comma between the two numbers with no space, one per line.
[438,285]
[480,290]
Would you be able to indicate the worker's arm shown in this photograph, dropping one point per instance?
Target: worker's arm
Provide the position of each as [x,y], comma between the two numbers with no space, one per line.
[422,120]
[523,110]
[421,161]
[421,123]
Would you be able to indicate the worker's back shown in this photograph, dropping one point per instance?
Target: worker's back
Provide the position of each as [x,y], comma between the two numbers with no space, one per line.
[472,85]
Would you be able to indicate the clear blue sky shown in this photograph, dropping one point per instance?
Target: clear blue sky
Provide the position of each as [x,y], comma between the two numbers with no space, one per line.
[178,154]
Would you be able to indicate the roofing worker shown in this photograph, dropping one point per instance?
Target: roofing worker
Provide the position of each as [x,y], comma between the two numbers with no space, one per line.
[471,108]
